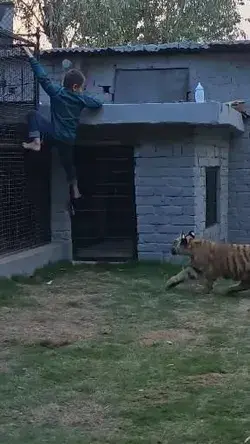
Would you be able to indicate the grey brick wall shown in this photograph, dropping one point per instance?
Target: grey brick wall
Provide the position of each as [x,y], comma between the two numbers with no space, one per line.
[164,186]
[239,188]
[170,189]
[224,77]
[211,149]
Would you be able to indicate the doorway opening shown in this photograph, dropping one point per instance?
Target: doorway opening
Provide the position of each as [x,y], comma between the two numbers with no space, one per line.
[104,224]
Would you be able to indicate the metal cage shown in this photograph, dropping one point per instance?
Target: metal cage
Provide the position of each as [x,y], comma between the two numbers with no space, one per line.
[24,176]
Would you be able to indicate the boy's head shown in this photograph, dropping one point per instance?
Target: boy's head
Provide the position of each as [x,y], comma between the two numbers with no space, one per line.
[74,80]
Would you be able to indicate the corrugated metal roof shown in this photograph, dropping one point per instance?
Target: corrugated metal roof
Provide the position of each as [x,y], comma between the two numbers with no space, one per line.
[237,45]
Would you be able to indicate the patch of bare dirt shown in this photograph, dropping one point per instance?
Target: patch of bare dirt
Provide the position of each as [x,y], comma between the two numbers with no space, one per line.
[192,319]
[170,335]
[207,379]
[29,327]
[64,313]
[76,413]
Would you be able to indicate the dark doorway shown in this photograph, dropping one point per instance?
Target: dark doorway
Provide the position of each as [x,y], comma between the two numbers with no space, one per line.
[104,224]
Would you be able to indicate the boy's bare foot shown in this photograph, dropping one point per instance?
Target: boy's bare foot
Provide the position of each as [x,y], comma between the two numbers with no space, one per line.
[35,145]
[75,192]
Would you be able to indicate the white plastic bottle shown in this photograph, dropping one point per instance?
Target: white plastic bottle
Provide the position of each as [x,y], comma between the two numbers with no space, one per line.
[199,94]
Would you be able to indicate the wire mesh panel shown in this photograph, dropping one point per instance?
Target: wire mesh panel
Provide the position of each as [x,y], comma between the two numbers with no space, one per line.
[18,85]
[24,194]
[24,176]
[16,77]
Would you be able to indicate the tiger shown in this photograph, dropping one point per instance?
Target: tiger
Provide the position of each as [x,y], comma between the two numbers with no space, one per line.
[210,261]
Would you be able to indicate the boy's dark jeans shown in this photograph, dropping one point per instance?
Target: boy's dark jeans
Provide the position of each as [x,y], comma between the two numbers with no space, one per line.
[41,127]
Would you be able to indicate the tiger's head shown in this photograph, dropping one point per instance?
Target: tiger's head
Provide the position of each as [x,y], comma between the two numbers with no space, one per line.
[180,245]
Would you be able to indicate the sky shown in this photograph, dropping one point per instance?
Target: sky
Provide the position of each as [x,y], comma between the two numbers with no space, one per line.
[245,12]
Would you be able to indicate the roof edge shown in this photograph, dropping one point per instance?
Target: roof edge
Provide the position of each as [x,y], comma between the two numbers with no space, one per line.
[178,47]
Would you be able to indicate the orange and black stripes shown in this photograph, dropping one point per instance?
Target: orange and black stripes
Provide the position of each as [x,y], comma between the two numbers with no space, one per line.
[212,260]
[220,260]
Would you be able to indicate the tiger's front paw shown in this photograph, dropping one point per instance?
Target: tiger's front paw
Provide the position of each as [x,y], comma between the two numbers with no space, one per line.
[170,283]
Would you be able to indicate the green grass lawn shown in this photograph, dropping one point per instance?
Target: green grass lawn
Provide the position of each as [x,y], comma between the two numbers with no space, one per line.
[105,355]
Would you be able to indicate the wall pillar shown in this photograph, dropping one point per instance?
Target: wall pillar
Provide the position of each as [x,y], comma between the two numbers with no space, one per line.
[211,150]
[60,218]
[164,190]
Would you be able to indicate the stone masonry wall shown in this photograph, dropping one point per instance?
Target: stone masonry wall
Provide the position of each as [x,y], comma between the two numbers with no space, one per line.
[170,188]
[211,149]
[239,187]
[164,187]
[224,78]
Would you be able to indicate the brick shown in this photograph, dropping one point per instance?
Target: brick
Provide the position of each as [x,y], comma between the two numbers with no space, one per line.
[145,209]
[183,220]
[187,191]
[148,247]
[150,256]
[163,181]
[144,191]
[187,202]
[153,238]
[151,151]
[145,228]
[154,219]
[167,229]
[188,210]
[169,210]
[182,162]
[152,200]
[168,191]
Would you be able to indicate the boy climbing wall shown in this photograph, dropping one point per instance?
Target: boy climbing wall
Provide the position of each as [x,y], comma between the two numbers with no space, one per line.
[66,103]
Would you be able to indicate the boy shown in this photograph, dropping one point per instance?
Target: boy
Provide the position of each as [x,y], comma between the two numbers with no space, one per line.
[66,103]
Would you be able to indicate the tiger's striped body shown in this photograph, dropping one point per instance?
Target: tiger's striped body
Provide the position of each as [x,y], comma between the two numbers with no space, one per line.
[211,261]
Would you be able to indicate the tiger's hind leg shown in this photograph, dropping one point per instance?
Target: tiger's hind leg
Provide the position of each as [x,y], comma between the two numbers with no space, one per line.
[184,275]
[241,286]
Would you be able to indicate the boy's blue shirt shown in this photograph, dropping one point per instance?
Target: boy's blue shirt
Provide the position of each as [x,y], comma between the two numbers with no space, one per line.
[66,105]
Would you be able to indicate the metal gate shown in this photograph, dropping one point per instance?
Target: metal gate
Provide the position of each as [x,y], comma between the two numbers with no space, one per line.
[104,224]
[24,176]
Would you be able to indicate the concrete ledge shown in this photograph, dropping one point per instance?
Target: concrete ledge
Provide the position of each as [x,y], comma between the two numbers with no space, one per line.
[184,113]
[188,113]
[26,262]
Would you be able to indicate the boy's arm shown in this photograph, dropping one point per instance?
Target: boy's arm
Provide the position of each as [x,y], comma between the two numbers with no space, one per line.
[91,102]
[50,88]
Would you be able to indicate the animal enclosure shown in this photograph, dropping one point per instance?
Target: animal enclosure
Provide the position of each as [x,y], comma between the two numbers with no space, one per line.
[24,176]
[104,226]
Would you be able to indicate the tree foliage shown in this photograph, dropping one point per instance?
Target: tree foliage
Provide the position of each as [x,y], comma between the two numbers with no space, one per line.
[118,22]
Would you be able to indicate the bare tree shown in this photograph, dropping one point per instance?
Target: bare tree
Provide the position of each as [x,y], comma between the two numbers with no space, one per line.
[59,20]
